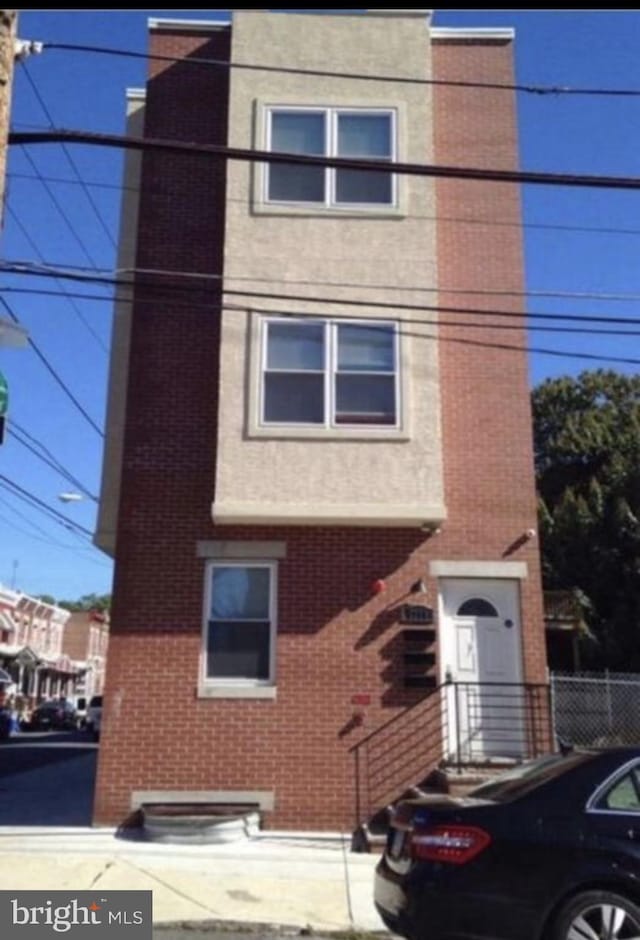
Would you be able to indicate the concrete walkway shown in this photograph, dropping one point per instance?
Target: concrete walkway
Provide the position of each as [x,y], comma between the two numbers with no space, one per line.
[283,879]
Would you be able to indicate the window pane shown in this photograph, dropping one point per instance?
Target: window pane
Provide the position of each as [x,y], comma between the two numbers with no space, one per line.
[294,397]
[364,135]
[295,346]
[366,348]
[238,650]
[623,796]
[365,399]
[291,183]
[358,186]
[240,593]
[477,607]
[297,132]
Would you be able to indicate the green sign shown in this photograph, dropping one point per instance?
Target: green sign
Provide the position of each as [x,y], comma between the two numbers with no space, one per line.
[4,395]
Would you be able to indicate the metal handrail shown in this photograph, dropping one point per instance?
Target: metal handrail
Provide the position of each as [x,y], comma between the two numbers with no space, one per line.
[513,715]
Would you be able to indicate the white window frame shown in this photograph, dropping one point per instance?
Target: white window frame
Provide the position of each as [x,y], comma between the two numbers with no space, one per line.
[331,148]
[330,371]
[239,684]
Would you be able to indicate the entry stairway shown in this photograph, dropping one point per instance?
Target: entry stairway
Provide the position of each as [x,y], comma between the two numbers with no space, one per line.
[457,737]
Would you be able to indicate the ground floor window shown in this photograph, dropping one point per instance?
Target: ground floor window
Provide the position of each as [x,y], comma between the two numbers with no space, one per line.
[240,621]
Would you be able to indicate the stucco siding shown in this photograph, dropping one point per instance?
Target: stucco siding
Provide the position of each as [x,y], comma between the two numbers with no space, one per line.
[316,474]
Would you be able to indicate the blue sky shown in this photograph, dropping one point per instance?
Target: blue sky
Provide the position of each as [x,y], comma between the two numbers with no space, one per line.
[576,240]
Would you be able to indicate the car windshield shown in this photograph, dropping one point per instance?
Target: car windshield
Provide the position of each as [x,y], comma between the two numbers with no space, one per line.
[528,776]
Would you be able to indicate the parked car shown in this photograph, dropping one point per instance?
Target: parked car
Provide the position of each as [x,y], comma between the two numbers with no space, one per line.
[80,704]
[54,714]
[550,849]
[93,719]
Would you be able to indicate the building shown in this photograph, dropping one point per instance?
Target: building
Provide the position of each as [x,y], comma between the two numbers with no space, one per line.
[31,648]
[320,498]
[86,642]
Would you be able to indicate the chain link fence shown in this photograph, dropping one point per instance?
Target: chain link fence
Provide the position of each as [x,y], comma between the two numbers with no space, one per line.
[598,709]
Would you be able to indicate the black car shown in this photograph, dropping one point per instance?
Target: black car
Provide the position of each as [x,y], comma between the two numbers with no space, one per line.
[56,714]
[547,851]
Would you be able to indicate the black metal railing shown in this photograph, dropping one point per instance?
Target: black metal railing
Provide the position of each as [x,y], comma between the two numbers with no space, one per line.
[458,723]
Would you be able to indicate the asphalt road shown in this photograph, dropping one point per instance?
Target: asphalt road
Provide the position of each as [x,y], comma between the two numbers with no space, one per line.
[47,779]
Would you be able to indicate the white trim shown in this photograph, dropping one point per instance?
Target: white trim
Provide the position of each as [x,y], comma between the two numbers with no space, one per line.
[7,622]
[136,94]
[208,690]
[265,799]
[413,14]
[350,514]
[221,687]
[331,115]
[241,549]
[196,25]
[483,33]
[330,372]
[479,569]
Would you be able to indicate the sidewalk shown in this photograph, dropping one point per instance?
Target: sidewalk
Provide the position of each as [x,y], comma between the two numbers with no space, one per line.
[284,879]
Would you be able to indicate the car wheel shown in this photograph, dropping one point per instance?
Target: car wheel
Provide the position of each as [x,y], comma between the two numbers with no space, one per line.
[597,915]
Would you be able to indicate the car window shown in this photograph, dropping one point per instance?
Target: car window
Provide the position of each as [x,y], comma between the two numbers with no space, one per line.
[624,795]
[529,775]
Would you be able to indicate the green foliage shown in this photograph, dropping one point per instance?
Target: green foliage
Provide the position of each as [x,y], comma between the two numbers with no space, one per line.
[99,602]
[587,454]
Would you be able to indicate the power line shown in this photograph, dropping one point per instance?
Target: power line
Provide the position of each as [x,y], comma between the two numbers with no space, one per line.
[296,314]
[65,150]
[74,306]
[34,500]
[467,220]
[263,156]
[30,522]
[186,289]
[48,459]
[17,265]
[358,76]
[43,359]
[61,211]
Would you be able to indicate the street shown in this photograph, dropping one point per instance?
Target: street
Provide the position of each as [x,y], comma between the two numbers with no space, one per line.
[47,779]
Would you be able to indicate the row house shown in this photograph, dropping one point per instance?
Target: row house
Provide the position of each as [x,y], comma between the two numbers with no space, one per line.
[85,642]
[318,480]
[31,647]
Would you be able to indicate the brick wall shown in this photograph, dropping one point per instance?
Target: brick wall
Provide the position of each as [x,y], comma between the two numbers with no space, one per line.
[335,638]
[487,437]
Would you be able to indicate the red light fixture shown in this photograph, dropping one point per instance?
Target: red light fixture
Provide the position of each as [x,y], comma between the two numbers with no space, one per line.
[454,844]
[378,586]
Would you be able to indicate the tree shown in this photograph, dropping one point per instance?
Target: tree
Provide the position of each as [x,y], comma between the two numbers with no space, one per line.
[99,602]
[587,453]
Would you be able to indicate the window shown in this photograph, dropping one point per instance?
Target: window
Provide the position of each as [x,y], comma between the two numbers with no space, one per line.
[624,795]
[477,607]
[328,374]
[240,622]
[366,134]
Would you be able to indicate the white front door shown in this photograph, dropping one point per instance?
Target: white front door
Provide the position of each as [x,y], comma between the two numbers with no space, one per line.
[480,650]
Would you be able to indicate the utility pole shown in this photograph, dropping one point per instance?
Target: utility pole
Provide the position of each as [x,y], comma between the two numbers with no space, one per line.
[8,23]
[11,333]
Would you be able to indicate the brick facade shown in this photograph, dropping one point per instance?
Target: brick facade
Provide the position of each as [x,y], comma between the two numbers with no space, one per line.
[335,638]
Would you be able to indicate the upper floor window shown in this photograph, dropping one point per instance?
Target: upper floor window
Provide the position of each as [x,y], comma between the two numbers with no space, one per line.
[329,374]
[364,134]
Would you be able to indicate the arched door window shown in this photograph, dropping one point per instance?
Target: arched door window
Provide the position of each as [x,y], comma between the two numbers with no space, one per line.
[477,607]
